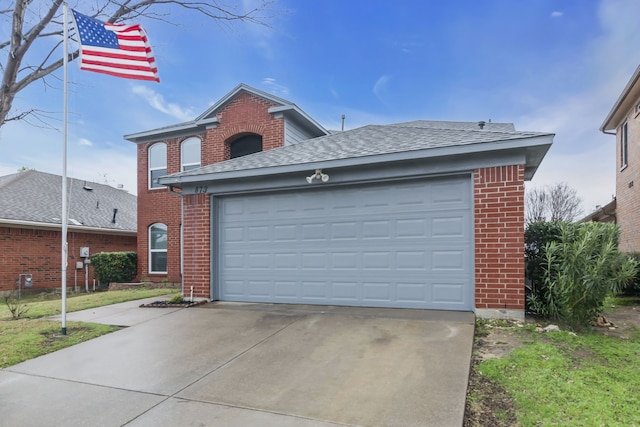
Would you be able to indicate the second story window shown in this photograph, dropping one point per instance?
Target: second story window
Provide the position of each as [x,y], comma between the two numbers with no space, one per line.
[624,145]
[157,163]
[245,145]
[190,153]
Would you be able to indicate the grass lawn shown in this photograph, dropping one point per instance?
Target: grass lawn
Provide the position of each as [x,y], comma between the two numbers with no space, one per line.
[566,379]
[33,335]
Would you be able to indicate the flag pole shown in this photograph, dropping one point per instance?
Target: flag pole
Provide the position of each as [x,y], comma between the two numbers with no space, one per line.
[65,61]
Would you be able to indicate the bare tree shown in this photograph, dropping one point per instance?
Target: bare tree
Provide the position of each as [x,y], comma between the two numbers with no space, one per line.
[557,202]
[36,27]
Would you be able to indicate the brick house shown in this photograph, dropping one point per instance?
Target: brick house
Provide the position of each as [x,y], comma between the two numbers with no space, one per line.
[101,218]
[623,121]
[255,201]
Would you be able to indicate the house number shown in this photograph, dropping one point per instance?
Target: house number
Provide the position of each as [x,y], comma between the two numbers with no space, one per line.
[200,190]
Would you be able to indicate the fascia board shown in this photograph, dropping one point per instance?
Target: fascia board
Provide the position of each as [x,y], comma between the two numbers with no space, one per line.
[539,143]
[241,87]
[70,227]
[300,115]
[629,95]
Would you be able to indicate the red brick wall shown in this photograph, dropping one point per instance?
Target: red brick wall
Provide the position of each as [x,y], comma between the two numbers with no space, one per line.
[628,186]
[499,237]
[242,115]
[197,243]
[38,252]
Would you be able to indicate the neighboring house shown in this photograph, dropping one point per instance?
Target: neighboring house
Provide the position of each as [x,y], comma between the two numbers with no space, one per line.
[606,213]
[623,121]
[255,201]
[101,218]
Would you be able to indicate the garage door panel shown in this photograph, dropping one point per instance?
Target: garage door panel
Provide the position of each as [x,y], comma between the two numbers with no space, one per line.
[381,245]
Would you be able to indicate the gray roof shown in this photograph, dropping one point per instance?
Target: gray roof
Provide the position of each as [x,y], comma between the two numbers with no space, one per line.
[371,140]
[439,124]
[209,118]
[35,198]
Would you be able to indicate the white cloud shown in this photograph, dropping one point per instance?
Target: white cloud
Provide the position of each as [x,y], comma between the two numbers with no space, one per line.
[85,142]
[581,155]
[380,87]
[556,14]
[158,102]
[272,86]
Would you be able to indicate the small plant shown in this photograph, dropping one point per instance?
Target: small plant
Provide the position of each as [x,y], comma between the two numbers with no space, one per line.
[176,299]
[16,306]
[145,280]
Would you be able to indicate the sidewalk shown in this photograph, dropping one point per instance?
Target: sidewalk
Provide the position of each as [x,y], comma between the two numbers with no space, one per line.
[123,314]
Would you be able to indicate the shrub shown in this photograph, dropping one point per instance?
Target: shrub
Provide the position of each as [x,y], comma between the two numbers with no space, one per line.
[633,289]
[580,270]
[115,266]
[536,236]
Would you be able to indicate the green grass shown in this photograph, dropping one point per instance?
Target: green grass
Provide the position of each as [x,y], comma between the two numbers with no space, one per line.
[562,379]
[33,335]
[44,305]
[26,339]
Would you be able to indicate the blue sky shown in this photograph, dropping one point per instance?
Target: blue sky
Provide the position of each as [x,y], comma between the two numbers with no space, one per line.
[545,65]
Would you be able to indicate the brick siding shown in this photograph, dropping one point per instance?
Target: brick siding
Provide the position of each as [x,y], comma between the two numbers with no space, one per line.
[38,252]
[243,115]
[499,237]
[628,186]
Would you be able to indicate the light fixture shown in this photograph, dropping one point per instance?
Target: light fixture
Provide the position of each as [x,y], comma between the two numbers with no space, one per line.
[318,175]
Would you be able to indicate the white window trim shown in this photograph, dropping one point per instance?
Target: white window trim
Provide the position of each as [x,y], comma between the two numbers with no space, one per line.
[624,146]
[182,164]
[156,250]
[151,169]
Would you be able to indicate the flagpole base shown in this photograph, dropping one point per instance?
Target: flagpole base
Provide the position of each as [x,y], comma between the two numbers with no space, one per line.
[64,331]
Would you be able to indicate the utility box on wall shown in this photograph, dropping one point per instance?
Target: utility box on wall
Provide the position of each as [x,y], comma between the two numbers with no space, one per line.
[84,252]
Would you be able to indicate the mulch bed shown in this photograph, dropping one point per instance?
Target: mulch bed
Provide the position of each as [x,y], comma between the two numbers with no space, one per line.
[167,304]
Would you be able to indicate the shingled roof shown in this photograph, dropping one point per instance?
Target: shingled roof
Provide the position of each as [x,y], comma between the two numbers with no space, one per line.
[35,198]
[376,140]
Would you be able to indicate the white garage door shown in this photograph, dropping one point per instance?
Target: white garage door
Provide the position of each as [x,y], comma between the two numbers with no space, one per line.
[402,244]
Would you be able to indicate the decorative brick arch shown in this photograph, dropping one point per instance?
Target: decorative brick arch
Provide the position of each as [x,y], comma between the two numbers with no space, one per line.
[242,129]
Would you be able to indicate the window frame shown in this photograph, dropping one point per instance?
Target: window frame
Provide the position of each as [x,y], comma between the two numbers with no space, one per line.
[151,169]
[624,145]
[153,250]
[184,166]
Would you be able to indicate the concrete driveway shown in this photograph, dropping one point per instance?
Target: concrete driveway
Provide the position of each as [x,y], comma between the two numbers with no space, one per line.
[231,364]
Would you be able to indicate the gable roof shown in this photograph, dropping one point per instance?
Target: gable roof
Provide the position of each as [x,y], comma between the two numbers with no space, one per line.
[209,118]
[625,102]
[376,144]
[34,199]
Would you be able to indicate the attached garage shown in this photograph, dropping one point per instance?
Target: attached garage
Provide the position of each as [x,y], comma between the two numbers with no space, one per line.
[403,244]
[423,215]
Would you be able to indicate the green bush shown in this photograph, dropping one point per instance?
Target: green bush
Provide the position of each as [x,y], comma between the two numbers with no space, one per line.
[633,289]
[536,236]
[115,266]
[580,270]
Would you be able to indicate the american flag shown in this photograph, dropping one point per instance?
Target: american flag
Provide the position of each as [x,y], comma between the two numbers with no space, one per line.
[116,49]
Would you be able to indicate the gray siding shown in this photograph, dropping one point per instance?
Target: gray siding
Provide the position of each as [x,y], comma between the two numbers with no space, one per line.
[294,133]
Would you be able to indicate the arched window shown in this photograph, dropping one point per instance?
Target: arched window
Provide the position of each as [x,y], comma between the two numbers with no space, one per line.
[157,163]
[245,145]
[190,154]
[158,248]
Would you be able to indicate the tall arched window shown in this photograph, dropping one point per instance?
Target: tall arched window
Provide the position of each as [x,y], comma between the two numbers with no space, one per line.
[158,248]
[245,145]
[190,154]
[157,163]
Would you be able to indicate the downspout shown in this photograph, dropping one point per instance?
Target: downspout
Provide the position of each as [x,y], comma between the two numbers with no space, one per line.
[175,193]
